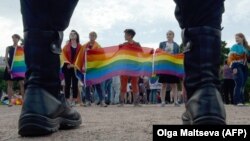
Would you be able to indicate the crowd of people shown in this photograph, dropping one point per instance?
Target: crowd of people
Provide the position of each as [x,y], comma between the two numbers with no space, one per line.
[201,33]
[160,89]
[121,89]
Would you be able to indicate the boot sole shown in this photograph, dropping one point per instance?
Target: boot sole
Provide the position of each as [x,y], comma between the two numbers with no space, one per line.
[37,125]
[205,120]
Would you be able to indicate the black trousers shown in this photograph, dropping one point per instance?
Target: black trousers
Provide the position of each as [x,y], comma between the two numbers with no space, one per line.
[70,78]
[201,21]
[43,22]
[194,13]
[228,90]
[56,17]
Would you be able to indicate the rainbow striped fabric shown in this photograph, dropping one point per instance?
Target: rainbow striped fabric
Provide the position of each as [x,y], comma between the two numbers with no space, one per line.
[18,67]
[105,63]
[165,63]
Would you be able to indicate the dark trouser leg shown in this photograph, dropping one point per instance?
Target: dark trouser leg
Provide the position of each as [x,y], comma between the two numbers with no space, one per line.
[74,85]
[202,39]
[239,81]
[231,90]
[88,94]
[226,90]
[101,95]
[67,78]
[108,90]
[43,105]
[245,76]
[99,91]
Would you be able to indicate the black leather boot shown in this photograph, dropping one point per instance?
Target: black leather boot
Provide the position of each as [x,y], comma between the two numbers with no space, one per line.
[202,62]
[45,110]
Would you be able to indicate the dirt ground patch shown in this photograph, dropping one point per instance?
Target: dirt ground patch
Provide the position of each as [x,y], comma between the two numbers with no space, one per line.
[112,123]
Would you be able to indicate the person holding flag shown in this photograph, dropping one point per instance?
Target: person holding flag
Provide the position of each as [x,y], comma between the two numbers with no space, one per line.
[8,73]
[70,53]
[129,35]
[90,45]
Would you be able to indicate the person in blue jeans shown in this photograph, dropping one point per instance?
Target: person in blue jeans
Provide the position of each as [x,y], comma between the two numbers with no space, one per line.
[152,98]
[107,90]
[153,84]
[97,88]
[238,62]
[115,90]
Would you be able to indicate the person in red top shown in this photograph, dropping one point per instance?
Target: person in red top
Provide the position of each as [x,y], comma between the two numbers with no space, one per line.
[70,52]
[129,35]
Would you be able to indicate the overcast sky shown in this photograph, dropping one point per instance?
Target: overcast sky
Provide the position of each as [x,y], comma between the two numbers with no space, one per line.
[150,18]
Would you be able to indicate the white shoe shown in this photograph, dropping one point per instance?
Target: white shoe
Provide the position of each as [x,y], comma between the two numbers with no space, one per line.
[240,104]
[73,104]
[120,104]
[103,104]
[177,104]
[87,104]
[163,104]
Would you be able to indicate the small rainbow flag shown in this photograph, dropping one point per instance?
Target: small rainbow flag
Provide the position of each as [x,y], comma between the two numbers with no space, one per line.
[18,67]
[165,63]
[130,60]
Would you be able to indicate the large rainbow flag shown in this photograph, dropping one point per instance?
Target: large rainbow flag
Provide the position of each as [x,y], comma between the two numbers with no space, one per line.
[105,63]
[18,67]
[97,65]
[165,63]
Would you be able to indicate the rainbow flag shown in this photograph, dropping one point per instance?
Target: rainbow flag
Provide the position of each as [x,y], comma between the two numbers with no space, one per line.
[61,75]
[98,65]
[18,67]
[105,63]
[165,63]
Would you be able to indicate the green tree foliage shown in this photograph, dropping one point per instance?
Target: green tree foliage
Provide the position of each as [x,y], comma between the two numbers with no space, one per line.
[224,52]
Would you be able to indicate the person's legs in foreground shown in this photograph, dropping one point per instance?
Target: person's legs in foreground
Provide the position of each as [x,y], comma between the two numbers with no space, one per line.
[202,39]
[231,91]
[124,83]
[226,90]
[163,94]
[174,92]
[135,90]
[87,96]
[115,93]
[245,77]
[239,81]
[21,86]
[67,78]
[79,95]
[153,94]
[45,110]
[108,84]
[10,91]
[101,95]
[75,89]
[117,89]
[151,97]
